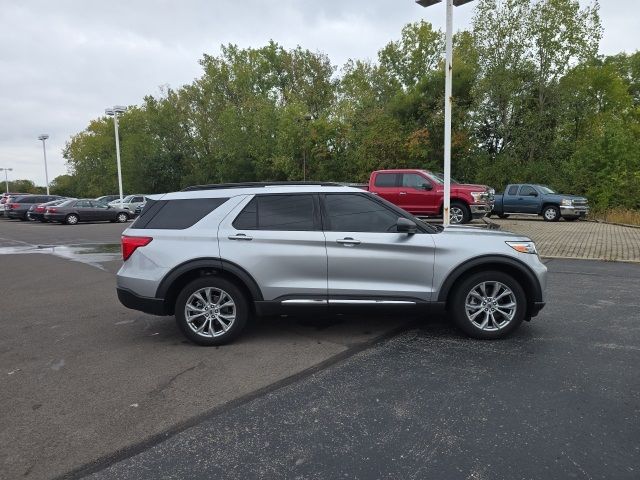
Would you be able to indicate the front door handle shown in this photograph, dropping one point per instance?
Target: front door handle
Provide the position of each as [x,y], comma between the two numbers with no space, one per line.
[402,193]
[240,236]
[348,241]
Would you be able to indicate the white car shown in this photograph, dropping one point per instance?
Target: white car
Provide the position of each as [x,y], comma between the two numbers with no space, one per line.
[130,202]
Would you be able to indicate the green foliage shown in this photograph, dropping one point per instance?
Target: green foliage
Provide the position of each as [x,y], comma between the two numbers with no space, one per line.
[532,102]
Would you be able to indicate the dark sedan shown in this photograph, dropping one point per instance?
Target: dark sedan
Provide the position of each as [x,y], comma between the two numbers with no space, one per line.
[84,210]
[18,207]
[36,212]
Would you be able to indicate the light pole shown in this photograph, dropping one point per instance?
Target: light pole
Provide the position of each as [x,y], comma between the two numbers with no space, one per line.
[448,100]
[43,137]
[113,112]
[6,178]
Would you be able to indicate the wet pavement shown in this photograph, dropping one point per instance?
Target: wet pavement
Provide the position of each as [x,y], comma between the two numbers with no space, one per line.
[558,399]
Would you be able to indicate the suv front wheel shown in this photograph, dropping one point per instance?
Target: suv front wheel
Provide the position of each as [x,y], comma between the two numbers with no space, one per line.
[488,305]
[211,311]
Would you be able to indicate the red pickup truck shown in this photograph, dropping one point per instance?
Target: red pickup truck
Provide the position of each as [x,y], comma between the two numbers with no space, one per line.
[421,193]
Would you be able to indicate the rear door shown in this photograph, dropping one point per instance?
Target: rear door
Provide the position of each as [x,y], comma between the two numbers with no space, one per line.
[101,211]
[387,185]
[85,211]
[278,240]
[368,260]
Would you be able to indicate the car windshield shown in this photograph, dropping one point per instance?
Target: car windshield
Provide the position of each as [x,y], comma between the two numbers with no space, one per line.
[545,190]
[439,177]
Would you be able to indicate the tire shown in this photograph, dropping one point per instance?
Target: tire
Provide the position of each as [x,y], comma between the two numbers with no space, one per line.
[71,219]
[230,292]
[571,219]
[459,213]
[503,215]
[122,217]
[551,213]
[498,325]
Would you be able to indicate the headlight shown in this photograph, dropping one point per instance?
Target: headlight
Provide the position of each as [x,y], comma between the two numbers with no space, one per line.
[523,247]
[479,197]
[566,202]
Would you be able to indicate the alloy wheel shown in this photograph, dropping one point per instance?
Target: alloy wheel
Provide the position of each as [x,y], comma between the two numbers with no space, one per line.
[210,312]
[456,215]
[490,306]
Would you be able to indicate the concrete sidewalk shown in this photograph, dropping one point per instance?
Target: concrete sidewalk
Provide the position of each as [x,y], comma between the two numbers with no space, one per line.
[584,240]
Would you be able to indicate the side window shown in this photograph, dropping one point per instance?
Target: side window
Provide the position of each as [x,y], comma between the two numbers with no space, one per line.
[277,212]
[357,213]
[83,204]
[413,180]
[176,214]
[527,190]
[513,190]
[95,204]
[386,180]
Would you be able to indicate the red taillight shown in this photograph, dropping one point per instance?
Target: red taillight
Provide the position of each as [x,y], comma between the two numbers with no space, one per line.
[13,205]
[130,244]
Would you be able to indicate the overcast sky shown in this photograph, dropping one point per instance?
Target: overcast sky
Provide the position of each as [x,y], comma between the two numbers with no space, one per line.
[62,62]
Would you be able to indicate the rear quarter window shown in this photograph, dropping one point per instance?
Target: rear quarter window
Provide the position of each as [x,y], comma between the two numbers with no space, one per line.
[386,180]
[176,214]
[513,190]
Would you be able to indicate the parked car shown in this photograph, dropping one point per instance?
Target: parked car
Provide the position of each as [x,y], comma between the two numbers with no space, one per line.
[130,202]
[539,200]
[421,193]
[36,212]
[108,198]
[84,210]
[18,207]
[139,209]
[216,255]
[5,197]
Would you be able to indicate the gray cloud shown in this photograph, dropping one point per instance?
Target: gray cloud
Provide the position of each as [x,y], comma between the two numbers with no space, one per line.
[63,62]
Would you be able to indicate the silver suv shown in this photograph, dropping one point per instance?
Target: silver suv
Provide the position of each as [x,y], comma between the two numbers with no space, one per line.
[216,255]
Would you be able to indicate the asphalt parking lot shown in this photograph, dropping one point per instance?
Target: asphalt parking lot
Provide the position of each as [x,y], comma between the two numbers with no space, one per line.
[91,387]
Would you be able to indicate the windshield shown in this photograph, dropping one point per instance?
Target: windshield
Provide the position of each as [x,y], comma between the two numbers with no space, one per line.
[545,190]
[439,177]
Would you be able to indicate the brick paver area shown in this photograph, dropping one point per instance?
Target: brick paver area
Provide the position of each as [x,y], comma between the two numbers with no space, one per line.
[597,241]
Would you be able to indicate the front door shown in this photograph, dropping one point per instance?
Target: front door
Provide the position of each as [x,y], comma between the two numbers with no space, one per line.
[278,240]
[368,259]
[528,199]
[418,195]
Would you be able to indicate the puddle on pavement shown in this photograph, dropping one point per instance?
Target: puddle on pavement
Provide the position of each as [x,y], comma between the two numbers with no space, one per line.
[93,253]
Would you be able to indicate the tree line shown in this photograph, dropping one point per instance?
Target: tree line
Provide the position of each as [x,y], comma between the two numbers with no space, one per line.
[533,102]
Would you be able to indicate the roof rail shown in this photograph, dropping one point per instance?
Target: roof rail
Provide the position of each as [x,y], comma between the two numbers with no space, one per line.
[215,186]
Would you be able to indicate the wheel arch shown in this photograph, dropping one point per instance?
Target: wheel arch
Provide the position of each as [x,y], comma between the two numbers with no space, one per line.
[516,269]
[176,279]
[549,204]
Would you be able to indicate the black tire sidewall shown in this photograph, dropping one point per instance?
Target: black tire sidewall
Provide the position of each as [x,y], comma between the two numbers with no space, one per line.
[242,310]
[461,291]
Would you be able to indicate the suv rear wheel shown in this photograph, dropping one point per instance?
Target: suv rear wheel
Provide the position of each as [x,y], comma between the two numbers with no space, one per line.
[211,311]
[488,305]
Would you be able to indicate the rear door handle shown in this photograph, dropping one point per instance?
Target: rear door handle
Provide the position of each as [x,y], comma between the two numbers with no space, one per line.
[402,193]
[240,236]
[349,242]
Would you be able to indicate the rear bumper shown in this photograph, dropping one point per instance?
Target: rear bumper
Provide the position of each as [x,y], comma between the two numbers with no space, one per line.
[154,306]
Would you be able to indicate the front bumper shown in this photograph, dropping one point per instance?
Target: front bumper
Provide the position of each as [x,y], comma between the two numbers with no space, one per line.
[480,210]
[573,211]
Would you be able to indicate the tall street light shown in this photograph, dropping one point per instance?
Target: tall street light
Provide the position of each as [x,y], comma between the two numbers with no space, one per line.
[113,112]
[43,137]
[6,178]
[448,100]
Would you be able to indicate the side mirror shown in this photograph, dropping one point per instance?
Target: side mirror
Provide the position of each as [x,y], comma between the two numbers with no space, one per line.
[405,225]
[427,186]
[533,194]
